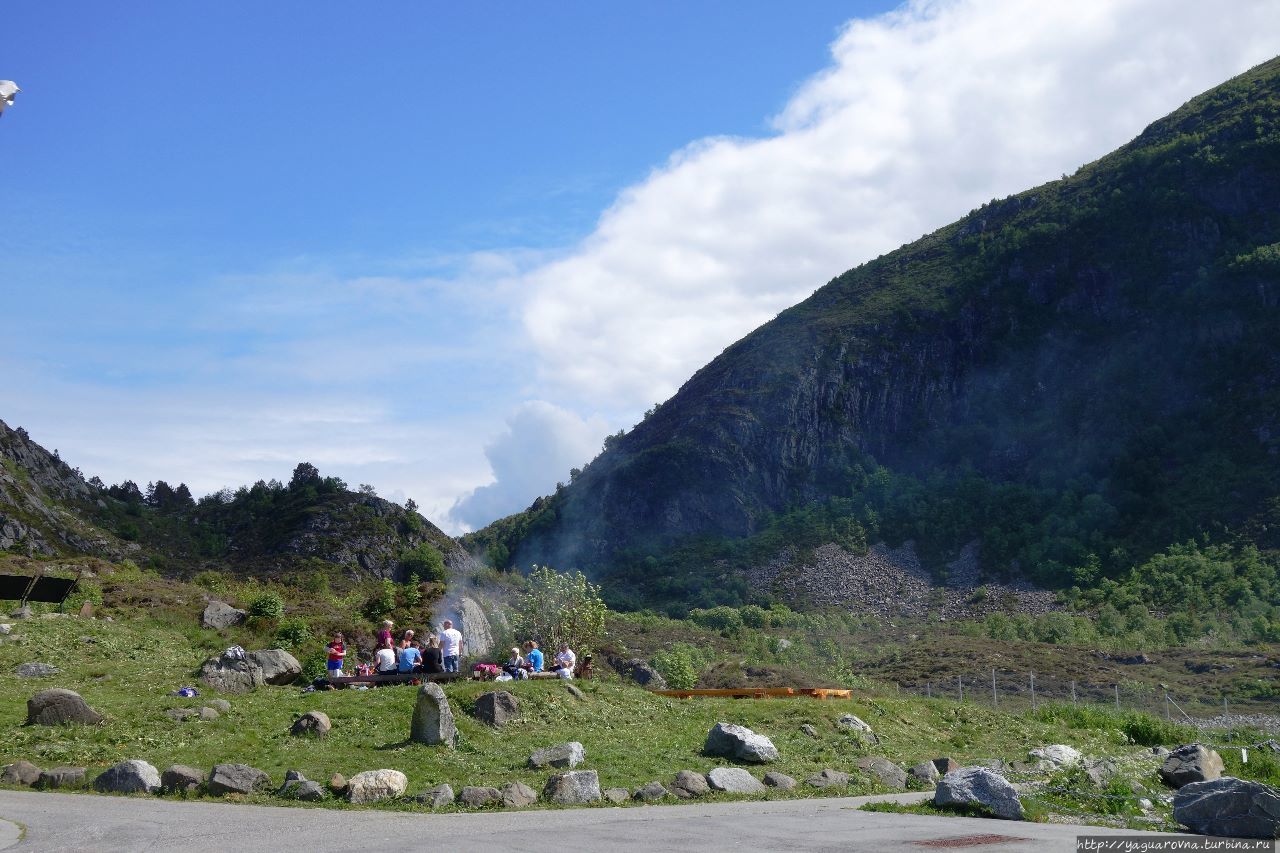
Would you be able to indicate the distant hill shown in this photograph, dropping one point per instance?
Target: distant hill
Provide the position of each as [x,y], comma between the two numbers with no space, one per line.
[1066,381]
[313,523]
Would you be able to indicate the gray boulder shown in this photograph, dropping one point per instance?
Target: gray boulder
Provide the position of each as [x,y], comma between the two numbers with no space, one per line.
[828,779]
[517,795]
[970,786]
[219,614]
[373,786]
[885,771]
[1229,807]
[128,777]
[178,778]
[688,785]
[1055,756]
[926,772]
[278,666]
[564,755]
[438,797]
[312,723]
[432,717]
[732,741]
[781,781]
[639,671]
[20,773]
[222,706]
[36,670]
[468,617]
[231,675]
[734,780]
[616,795]
[62,777]
[497,708]
[855,724]
[651,792]
[59,707]
[475,796]
[1191,763]
[237,779]
[809,730]
[575,692]
[302,789]
[576,787]
[1101,771]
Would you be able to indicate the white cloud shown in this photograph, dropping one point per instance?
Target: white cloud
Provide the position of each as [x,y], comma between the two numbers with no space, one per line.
[924,114]
[539,446]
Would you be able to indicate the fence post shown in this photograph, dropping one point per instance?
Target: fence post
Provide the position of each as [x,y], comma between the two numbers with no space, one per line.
[1117,697]
[1073,691]
[960,684]
[928,689]
[995,700]
[1033,690]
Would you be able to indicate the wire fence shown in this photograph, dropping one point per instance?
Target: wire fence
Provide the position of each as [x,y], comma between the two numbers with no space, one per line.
[1028,691]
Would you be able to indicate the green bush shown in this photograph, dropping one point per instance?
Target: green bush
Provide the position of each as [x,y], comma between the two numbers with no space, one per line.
[425,562]
[381,601]
[293,633]
[726,620]
[678,665]
[267,605]
[215,582]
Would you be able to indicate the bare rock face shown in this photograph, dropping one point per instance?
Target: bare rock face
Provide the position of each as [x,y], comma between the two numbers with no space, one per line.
[733,741]
[373,786]
[468,617]
[433,718]
[219,615]
[59,707]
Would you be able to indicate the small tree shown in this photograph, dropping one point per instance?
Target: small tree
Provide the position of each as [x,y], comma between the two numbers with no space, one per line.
[560,608]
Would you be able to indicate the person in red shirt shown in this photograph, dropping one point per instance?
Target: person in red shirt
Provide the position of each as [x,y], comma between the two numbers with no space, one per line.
[384,636]
[337,650]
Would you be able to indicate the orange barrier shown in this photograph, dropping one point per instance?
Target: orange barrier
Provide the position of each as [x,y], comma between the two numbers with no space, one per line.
[762,692]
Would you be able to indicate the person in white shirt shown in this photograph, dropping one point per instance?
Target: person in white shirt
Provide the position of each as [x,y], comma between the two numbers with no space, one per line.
[385,658]
[450,646]
[566,660]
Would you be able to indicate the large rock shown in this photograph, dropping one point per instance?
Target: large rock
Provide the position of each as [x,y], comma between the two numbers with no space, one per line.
[828,779]
[179,778]
[36,669]
[237,779]
[373,786]
[517,795]
[231,675]
[1191,763]
[926,773]
[1055,756]
[563,755]
[62,777]
[732,741]
[432,718]
[59,707]
[639,671]
[497,708]
[970,786]
[475,796]
[781,781]
[885,771]
[1229,807]
[312,723]
[128,777]
[575,787]
[20,773]
[468,617]
[302,789]
[438,797]
[616,795]
[278,666]
[219,614]
[734,780]
[688,785]
[651,792]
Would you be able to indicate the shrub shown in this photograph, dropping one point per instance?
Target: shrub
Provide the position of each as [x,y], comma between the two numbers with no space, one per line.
[293,633]
[726,620]
[679,665]
[215,582]
[754,616]
[380,602]
[267,605]
[560,608]
[425,562]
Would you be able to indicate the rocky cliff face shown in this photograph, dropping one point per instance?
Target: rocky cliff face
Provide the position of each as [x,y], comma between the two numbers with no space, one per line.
[1113,334]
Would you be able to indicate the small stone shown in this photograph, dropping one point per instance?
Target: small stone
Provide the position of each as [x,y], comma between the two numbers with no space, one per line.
[62,777]
[373,786]
[302,789]
[178,778]
[517,795]
[809,730]
[20,773]
[651,792]
[945,765]
[575,692]
[576,787]
[781,781]
[128,777]
[338,784]
[886,772]
[57,706]
[1056,756]
[828,779]
[438,797]
[733,741]
[563,755]
[311,724]
[6,629]
[734,780]
[222,706]
[1101,771]
[207,714]
[497,708]
[475,796]
[237,779]
[294,776]
[926,772]
[181,714]
[688,785]
[617,795]
[36,670]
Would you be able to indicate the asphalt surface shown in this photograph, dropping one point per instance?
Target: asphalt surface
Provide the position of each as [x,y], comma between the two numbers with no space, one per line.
[84,822]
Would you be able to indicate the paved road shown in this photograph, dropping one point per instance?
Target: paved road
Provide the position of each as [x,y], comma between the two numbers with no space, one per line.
[82,822]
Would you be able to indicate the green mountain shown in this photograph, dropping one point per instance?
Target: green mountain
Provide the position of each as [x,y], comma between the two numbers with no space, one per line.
[1067,381]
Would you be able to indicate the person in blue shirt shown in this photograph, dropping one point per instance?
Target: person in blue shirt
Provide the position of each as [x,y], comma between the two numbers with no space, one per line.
[410,657]
[533,656]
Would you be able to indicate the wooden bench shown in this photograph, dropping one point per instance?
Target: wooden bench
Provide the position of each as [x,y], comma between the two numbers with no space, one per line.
[396,678]
[762,692]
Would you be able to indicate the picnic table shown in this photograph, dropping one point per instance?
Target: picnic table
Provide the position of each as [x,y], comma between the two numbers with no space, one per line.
[762,692]
[396,678]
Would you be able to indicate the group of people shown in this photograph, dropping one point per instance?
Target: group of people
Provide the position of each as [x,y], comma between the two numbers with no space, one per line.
[524,665]
[440,652]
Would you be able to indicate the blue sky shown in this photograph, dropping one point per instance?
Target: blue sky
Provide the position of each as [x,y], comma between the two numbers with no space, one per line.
[445,248]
